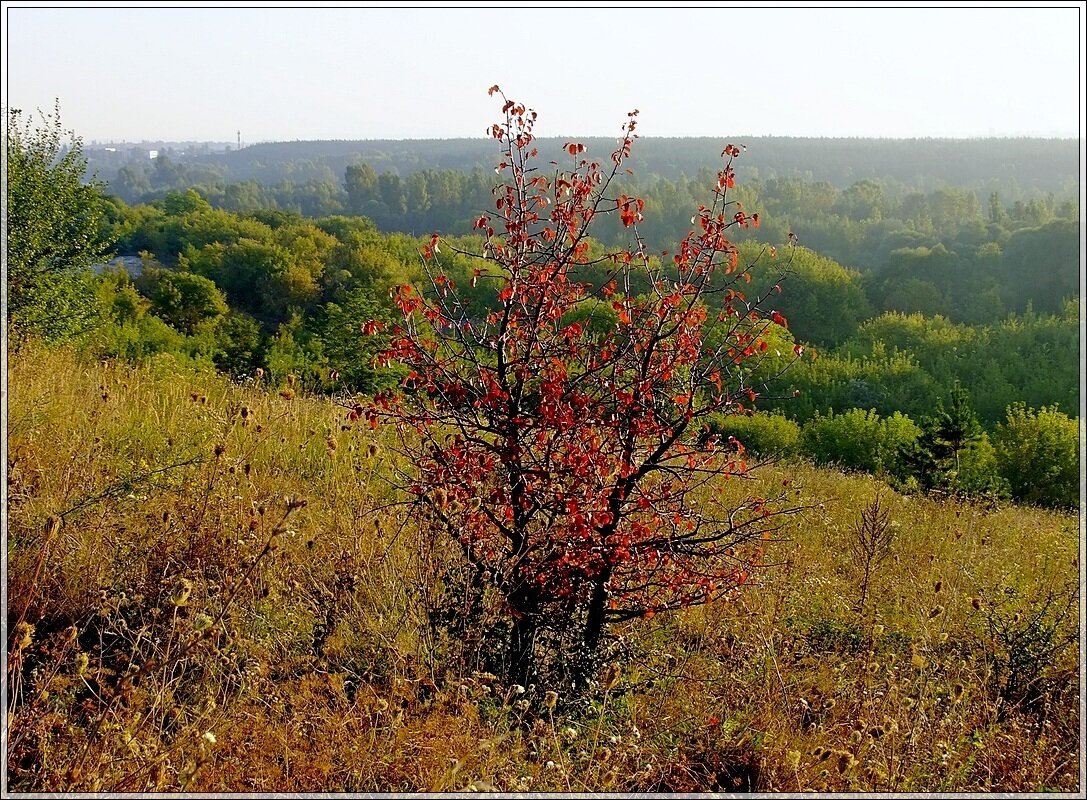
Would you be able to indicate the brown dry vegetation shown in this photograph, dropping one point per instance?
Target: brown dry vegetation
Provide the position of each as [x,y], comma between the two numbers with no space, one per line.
[207,592]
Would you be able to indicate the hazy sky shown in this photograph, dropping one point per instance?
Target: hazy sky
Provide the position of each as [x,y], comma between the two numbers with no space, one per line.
[360,73]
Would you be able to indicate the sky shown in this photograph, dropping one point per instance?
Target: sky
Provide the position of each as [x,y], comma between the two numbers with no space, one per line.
[282,73]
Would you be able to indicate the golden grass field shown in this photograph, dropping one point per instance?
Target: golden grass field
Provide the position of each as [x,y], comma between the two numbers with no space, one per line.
[207,591]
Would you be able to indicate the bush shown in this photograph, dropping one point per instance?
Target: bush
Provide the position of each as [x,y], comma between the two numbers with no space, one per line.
[1037,452]
[860,440]
[979,473]
[763,434]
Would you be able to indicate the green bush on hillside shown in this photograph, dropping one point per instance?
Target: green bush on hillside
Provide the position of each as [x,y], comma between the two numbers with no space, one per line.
[860,440]
[763,434]
[1038,454]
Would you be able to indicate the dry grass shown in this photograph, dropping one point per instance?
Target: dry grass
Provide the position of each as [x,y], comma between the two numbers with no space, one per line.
[180,619]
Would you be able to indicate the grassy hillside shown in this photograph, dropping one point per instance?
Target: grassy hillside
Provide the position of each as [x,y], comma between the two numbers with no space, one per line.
[208,590]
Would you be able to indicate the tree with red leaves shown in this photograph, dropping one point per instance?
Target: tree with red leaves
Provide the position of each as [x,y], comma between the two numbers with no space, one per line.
[570,461]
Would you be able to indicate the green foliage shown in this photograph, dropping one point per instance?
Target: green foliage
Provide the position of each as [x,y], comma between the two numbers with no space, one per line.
[762,434]
[239,345]
[299,290]
[1030,358]
[860,440]
[596,316]
[1041,266]
[118,298]
[885,382]
[979,471]
[54,230]
[936,456]
[130,333]
[823,301]
[1038,454]
[185,300]
[348,350]
[175,204]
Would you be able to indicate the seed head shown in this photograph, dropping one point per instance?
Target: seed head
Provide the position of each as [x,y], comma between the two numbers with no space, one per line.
[52,525]
[181,592]
[611,677]
[845,761]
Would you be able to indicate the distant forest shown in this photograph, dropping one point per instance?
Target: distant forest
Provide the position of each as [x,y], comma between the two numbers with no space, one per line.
[968,229]
[1019,168]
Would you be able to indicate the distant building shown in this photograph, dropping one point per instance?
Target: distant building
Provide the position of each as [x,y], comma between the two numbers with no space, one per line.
[152,153]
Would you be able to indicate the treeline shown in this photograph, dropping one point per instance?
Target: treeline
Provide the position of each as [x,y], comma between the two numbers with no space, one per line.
[273,266]
[947,252]
[289,296]
[1019,168]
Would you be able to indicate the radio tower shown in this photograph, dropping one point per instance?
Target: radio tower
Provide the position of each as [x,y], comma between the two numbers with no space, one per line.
[239,140]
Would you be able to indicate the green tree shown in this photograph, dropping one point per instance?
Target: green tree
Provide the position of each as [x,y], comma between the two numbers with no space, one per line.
[349,350]
[185,300]
[239,344]
[823,301]
[1037,452]
[53,230]
[361,183]
[937,455]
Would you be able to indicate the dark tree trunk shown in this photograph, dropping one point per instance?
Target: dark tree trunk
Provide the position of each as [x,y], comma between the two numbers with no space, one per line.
[522,659]
[594,630]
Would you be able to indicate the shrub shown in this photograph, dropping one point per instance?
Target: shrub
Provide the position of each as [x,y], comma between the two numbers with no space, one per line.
[562,459]
[1037,452]
[763,434]
[860,440]
[979,472]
